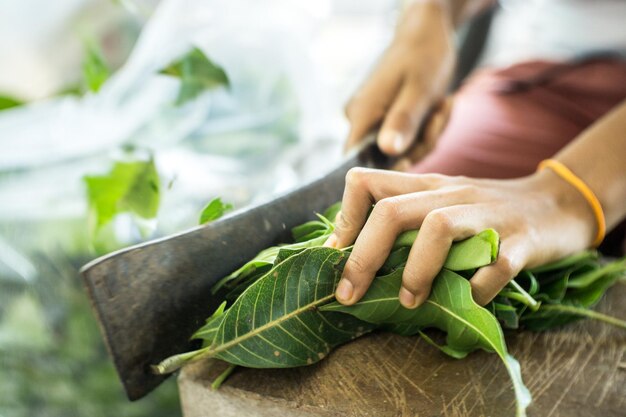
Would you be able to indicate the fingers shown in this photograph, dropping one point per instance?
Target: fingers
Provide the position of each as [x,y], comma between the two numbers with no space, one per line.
[440,228]
[489,280]
[437,122]
[363,188]
[369,105]
[399,129]
[389,217]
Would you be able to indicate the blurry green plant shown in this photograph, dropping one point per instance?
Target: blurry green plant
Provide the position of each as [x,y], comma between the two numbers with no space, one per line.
[8,102]
[197,74]
[95,69]
[214,210]
[131,186]
[52,359]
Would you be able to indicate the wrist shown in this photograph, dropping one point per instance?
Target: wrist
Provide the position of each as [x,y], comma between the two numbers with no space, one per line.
[566,202]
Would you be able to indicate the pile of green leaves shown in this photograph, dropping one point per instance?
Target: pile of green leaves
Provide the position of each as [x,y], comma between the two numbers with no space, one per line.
[279,309]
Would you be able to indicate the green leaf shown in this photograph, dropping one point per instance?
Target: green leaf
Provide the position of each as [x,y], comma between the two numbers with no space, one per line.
[197,73]
[248,272]
[481,249]
[7,102]
[581,312]
[130,186]
[209,330]
[568,261]
[331,212]
[214,210]
[590,284]
[588,278]
[396,259]
[506,313]
[277,323]
[308,230]
[451,308]
[95,69]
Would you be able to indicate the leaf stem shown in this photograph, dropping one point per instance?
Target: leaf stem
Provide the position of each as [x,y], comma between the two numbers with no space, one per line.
[217,382]
[592,314]
[521,295]
[174,362]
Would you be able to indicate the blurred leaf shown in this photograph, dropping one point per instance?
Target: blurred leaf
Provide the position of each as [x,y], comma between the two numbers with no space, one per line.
[506,313]
[197,73]
[23,325]
[7,102]
[332,211]
[130,186]
[214,210]
[71,90]
[95,69]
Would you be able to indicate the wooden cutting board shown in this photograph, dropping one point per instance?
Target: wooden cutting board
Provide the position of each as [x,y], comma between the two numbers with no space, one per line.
[577,371]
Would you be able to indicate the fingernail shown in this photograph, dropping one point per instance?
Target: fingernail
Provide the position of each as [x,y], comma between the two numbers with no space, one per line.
[331,242]
[344,290]
[394,139]
[407,298]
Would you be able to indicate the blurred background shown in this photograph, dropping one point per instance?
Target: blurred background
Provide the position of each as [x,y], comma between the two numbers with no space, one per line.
[119,121]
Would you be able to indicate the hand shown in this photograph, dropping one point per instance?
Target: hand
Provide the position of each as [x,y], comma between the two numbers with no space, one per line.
[411,77]
[432,130]
[540,218]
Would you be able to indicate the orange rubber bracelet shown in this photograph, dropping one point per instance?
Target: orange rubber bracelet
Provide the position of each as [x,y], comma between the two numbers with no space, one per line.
[565,173]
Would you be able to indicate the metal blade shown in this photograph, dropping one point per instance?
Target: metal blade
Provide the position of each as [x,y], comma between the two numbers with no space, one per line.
[150,298]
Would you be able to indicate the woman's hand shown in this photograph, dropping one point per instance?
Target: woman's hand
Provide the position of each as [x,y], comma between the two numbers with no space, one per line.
[411,77]
[540,218]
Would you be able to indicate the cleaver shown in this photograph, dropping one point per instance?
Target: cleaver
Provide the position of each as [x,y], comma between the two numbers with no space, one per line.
[150,298]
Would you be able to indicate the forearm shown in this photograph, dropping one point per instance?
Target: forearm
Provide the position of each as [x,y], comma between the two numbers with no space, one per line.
[457,11]
[598,157]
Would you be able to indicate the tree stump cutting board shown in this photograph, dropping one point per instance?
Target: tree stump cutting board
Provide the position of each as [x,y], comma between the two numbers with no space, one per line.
[579,370]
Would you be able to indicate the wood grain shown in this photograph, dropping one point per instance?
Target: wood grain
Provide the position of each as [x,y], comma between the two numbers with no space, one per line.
[579,370]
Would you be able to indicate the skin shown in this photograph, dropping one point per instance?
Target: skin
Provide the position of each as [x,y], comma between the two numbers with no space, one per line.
[412,76]
[540,218]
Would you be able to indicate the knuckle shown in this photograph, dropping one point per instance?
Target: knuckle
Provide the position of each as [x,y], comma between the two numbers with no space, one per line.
[343,225]
[507,266]
[356,177]
[440,221]
[410,280]
[361,106]
[469,190]
[480,293]
[387,209]
[356,264]
[433,181]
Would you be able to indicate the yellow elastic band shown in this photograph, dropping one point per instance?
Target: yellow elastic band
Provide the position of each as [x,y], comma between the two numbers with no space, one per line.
[565,173]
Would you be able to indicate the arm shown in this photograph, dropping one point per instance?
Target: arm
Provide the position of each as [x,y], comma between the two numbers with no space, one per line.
[412,75]
[540,218]
[598,157]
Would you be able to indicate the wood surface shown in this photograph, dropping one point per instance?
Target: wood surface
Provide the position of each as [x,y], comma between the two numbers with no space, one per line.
[576,371]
